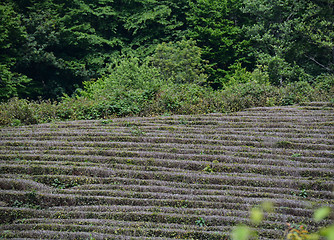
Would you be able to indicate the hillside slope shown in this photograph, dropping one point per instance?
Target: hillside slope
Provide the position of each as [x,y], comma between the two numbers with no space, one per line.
[188,177]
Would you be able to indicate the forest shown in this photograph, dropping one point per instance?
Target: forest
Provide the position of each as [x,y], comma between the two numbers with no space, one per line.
[96,58]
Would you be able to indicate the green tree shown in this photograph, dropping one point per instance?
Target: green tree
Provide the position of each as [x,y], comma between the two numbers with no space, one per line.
[12,36]
[68,42]
[180,62]
[293,39]
[216,25]
[146,23]
[62,48]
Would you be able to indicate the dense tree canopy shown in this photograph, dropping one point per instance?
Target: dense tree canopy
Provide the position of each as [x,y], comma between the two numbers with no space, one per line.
[217,27]
[13,35]
[294,39]
[50,47]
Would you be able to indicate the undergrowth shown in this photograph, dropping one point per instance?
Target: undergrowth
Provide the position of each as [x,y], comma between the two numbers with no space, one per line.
[167,99]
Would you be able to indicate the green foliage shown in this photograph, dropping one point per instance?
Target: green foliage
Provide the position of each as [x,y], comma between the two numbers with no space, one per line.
[241,232]
[49,48]
[11,83]
[129,86]
[291,38]
[146,23]
[60,44]
[168,82]
[30,201]
[321,213]
[239,75]
[303,193]
[217,27]
[63,185]
[180,62]
[256,215]
[293,232]
[250,94]
[208,169]
[200,222]
[48,59]
[298,92]
[18,111]
[13,35]
[106,98]
[187,99]
[21,111]
[324,84]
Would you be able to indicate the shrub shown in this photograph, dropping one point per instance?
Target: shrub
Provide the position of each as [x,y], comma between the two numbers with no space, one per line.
[17,111]
[250,94]
[186,99]
[240,75]
[324,86]
[125,91]
[298,92]
[21,111]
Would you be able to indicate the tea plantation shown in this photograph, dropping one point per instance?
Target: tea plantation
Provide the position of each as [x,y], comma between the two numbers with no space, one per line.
[167,177]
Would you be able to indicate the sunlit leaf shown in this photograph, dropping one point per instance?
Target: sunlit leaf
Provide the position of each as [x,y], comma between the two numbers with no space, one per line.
[328,232]
[241,233]
[268,206]
[313,236]
[321,213]
[256,215]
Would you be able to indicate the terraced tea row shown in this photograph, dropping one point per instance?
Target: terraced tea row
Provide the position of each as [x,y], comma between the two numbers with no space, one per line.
[166,177]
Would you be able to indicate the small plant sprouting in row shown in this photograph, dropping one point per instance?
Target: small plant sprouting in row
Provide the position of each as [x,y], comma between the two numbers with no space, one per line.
[62,185]
[106,121]
[200,222]
[210,168]
[295,155]
[183,121]
[302,193]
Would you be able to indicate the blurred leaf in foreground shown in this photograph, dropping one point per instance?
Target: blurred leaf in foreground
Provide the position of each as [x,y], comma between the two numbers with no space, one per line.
[241,232]
[321,213]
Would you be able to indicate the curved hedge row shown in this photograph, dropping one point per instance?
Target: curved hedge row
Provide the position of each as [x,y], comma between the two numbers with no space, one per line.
[168,177]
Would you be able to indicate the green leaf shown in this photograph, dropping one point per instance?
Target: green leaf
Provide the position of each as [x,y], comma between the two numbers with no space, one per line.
[321,213]
[241,232]
[256,215]
[268,206]
[328,232]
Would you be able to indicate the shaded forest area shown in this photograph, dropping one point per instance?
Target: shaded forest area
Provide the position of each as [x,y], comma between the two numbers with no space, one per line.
[122,52]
